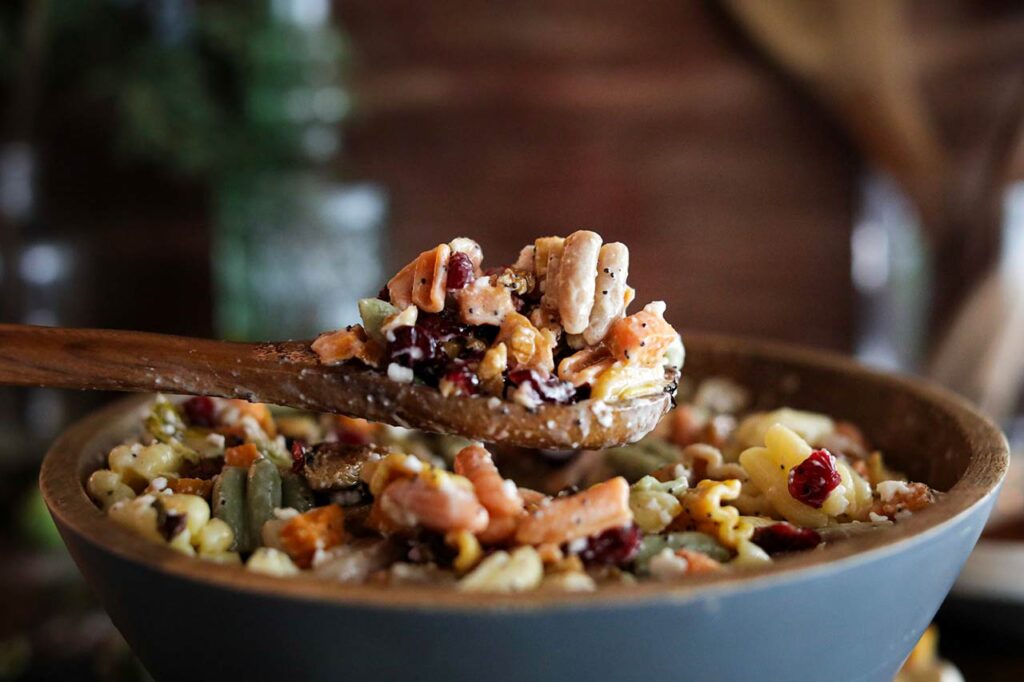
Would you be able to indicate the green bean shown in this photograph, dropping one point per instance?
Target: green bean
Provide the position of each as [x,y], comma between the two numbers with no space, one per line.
[262,496]
[692,540]
[229,504]
[295,492]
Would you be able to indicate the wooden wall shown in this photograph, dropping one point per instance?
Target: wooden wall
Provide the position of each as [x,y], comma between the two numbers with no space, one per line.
[650,122]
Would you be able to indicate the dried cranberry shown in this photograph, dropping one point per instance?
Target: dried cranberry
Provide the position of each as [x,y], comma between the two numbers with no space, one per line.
[168,523]
[460,271]
[430,547]
[462,379]
[384,294]
[813,479]
[413,346]
[444,325]
[352,437]
[616,546]
[785,537]
[298,455]
[201,411]
[548,388]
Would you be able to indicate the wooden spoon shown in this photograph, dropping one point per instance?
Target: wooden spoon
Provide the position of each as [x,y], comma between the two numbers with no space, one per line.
[290,374]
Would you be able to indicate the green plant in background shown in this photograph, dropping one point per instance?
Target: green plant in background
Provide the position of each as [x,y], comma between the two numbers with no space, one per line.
[203,89]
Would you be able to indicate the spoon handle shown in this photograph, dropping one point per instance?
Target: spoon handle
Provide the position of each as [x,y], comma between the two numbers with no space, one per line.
[112,360]
[291,375]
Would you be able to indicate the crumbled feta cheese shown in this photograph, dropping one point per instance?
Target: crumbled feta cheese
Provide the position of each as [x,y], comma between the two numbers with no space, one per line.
[525,395]
[667,565]
[158,483]
[887,490]
[216,440]
[285,513]
[877,518]
[400,374]
[602,412]
[405,318]
[576,546]
[656,307]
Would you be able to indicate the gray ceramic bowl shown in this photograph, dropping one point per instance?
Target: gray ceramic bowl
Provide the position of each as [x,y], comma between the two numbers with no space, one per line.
[849,612]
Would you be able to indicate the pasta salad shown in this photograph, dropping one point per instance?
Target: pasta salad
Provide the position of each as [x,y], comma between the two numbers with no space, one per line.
[552,327]
[713,488]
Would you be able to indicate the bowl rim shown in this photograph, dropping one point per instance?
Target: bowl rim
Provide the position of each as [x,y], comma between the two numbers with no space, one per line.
[69,504]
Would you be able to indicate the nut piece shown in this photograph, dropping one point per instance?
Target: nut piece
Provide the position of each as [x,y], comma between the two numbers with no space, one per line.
[543,249]
[527,346]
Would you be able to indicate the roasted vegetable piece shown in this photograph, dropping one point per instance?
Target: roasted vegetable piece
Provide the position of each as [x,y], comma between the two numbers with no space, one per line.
[320,528]
[190,486]
[337,466]
[241,455]
[262,495]
[295,492]
[346,344]
[229,505]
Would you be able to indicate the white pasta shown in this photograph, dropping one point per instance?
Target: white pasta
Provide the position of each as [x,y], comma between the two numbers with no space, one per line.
[525,260]
[654,504]
[769,469]
[469,247]
[194,508]
[749,554]
[271,561]
[138,515]
[503,572]
[609,291]
[215,538]
[107,489]
[576,280]
[810,426]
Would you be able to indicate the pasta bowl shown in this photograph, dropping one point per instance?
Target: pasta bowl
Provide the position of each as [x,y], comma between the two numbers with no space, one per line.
[849,611]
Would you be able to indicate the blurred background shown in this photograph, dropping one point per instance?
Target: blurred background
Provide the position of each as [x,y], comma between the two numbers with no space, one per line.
[848,175]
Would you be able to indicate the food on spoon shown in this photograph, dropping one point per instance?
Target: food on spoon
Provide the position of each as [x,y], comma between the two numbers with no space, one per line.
[713,489]
[553,327]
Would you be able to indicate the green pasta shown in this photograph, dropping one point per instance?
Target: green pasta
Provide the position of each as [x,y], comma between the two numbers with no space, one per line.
[229,504]
[373,313]
[262,496]
[698,542]
[295,492]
